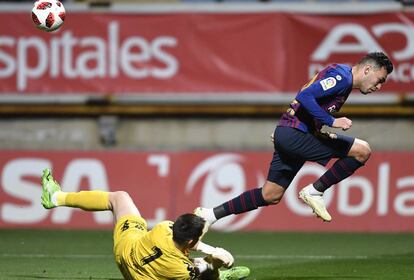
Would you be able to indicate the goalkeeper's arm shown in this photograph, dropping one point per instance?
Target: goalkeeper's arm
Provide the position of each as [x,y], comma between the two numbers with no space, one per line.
[203,266]
[207,268]
[216,253]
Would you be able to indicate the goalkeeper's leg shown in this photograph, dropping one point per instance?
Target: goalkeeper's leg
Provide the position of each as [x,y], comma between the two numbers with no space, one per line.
[120,203]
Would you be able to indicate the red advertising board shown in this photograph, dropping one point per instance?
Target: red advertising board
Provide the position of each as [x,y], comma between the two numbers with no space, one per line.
[378,197]
[195,52]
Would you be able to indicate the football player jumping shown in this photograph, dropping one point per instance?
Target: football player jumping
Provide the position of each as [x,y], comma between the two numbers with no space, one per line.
[298,138]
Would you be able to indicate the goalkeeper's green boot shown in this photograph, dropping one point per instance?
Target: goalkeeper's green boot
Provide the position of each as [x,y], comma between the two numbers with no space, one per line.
[235,273]
[49,187]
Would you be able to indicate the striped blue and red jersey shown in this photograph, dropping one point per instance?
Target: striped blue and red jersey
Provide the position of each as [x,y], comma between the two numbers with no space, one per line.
[322,96]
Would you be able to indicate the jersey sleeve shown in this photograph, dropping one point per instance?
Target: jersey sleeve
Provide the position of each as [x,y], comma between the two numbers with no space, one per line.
[330,85]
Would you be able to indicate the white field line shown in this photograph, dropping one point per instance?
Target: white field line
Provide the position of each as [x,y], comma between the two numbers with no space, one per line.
[246,257]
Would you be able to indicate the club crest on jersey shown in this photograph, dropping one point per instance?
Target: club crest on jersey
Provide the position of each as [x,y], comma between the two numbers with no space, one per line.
[328,83]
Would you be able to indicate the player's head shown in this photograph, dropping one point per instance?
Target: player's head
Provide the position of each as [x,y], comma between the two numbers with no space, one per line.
[374,69]
[187,230]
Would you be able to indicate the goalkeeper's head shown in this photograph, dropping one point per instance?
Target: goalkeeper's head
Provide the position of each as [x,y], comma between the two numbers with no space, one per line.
[187,230]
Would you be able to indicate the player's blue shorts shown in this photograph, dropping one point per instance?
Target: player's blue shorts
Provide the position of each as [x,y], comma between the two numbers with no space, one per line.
[294,147]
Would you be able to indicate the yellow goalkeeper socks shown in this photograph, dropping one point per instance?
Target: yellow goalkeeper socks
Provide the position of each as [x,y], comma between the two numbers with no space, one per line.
[86,200]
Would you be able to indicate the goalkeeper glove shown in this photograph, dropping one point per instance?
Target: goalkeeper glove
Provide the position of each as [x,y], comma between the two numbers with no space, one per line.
[216,253]
[224,256]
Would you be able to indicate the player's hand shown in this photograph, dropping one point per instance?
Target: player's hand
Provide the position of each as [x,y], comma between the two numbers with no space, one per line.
[272,137]
[224,256]
[206,268]
[343,123]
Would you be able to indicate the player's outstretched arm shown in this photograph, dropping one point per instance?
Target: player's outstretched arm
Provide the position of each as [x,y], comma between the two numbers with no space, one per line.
[217,253]
[209,266]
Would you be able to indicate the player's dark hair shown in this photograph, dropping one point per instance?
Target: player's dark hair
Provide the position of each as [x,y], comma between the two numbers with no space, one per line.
[380,60]
[187,227]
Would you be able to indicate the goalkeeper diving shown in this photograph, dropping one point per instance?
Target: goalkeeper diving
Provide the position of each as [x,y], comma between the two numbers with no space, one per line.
[160,253]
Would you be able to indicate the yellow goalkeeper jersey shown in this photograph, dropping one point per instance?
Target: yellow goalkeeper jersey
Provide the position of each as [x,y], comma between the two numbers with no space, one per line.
[142,254]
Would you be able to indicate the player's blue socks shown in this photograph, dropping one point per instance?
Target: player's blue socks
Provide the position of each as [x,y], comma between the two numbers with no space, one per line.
[341,169]
[249,200]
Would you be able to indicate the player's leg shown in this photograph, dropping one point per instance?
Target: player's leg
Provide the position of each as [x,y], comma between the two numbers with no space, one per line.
[53,196]
[352,154]
[269,193]
[345,166]
[120,203]
[128,221]
[129,228]
[247,201]
[360,150]
[282,170]
[295,147]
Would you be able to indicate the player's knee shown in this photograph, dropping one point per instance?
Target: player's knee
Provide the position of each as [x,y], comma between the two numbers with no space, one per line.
[123,195]
[363,151]
[122,204]
[119,197]
[272,193]
[272,200]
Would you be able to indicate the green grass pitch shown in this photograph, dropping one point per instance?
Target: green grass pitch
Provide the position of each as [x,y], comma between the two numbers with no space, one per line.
[70,254]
